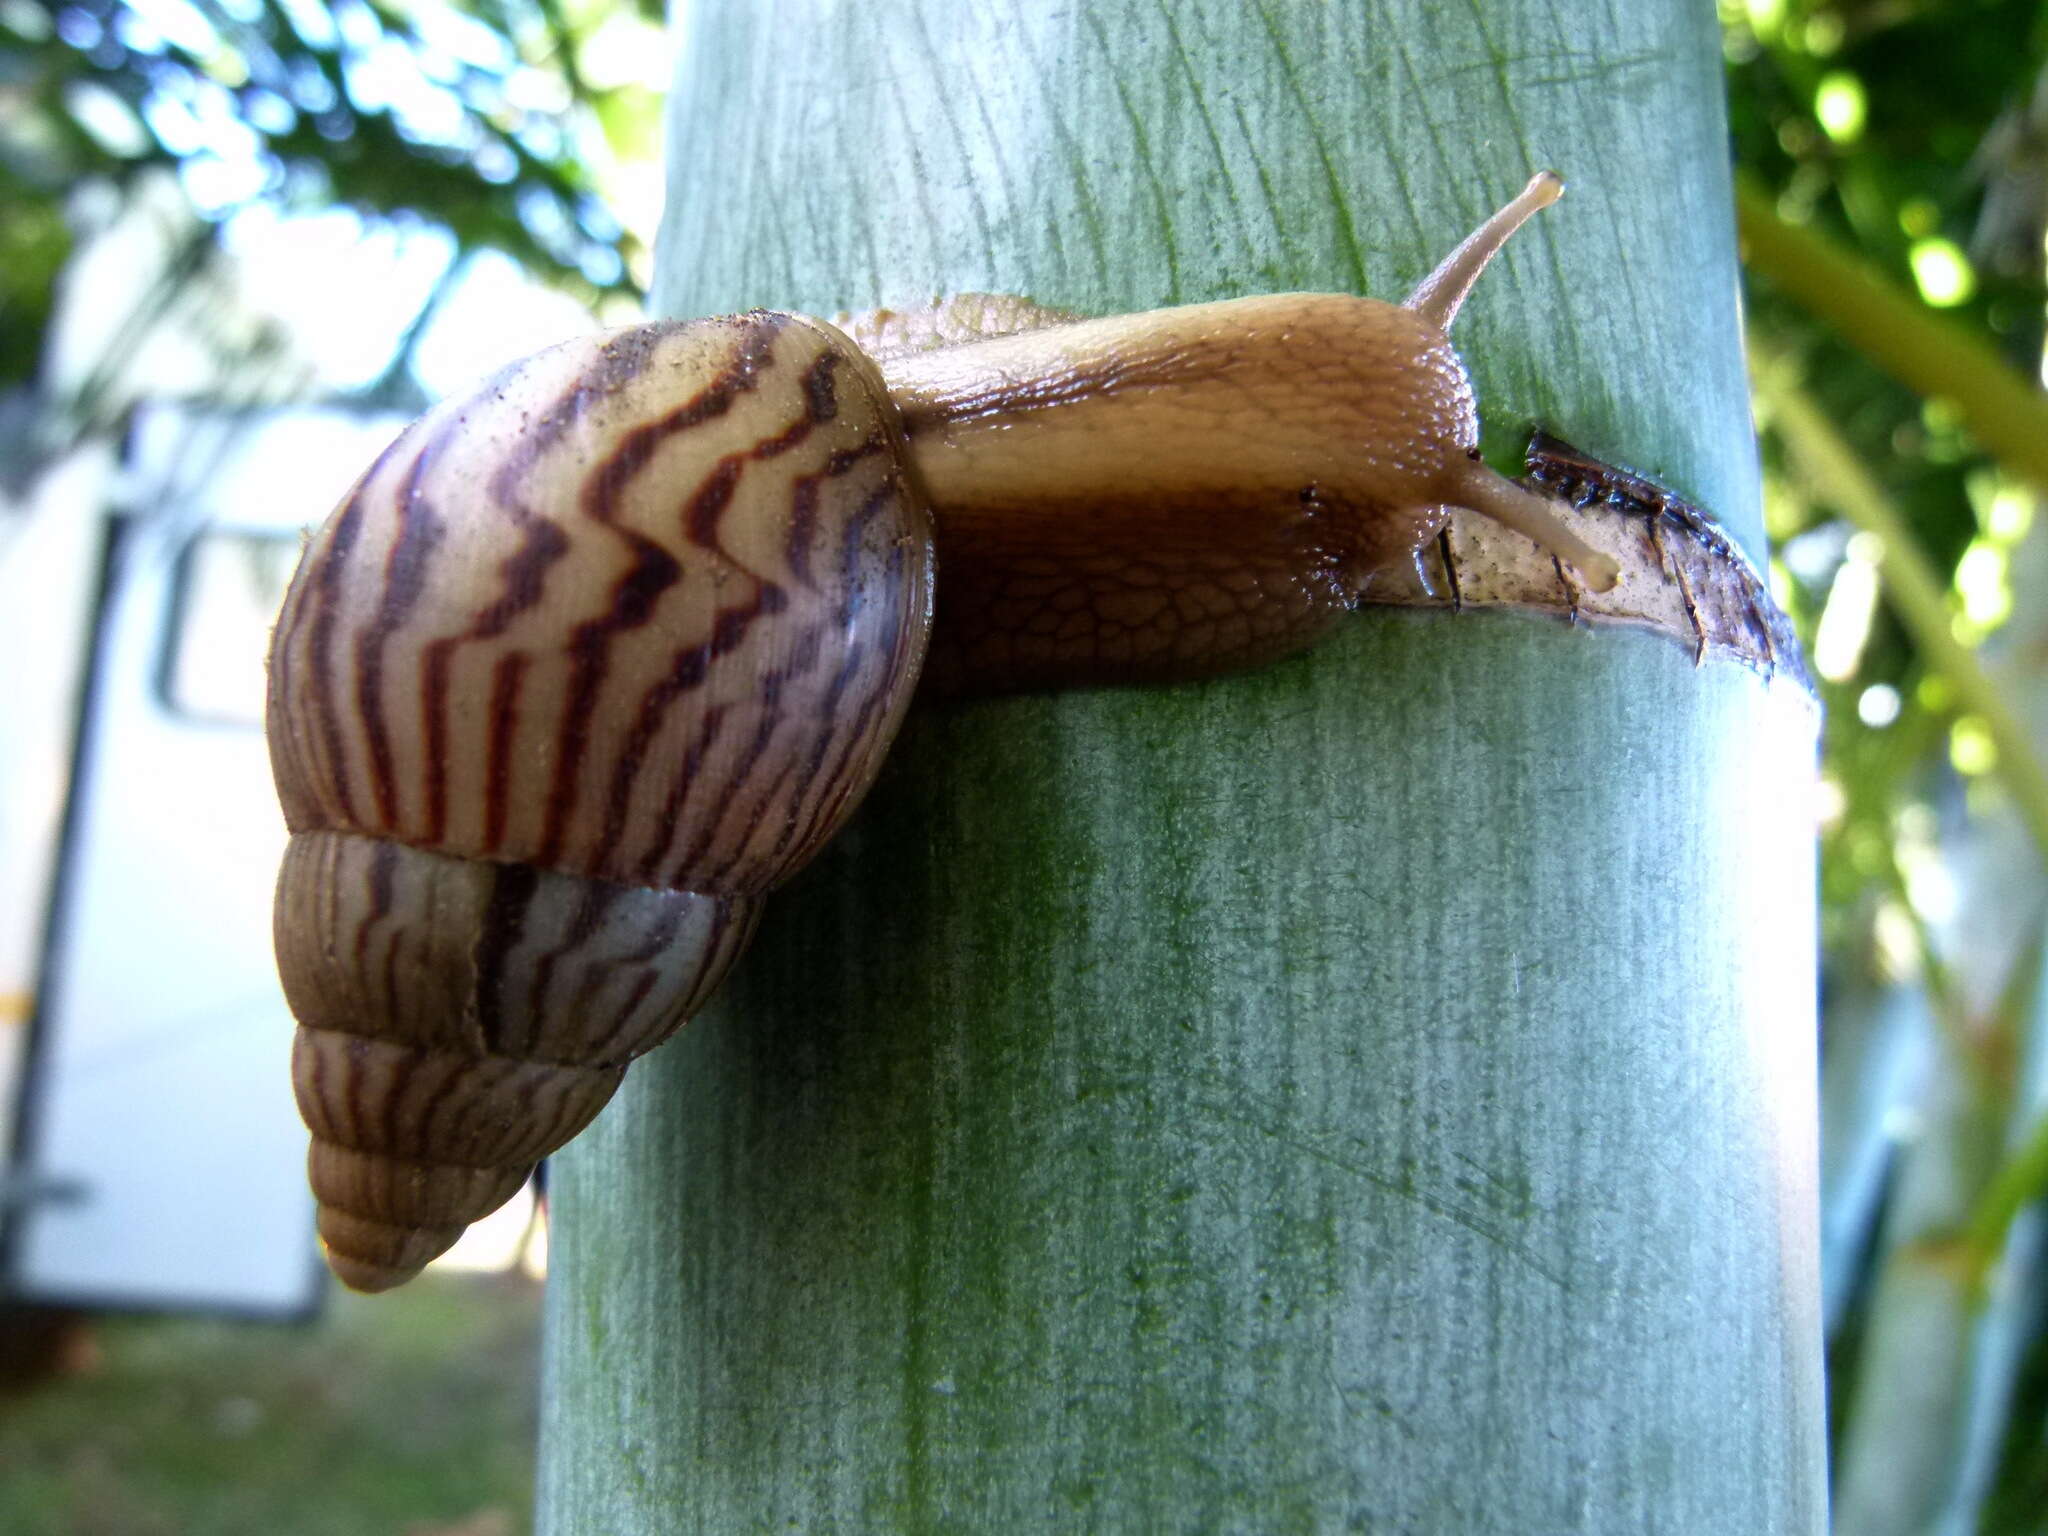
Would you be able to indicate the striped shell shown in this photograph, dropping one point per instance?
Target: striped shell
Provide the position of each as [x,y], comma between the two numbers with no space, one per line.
[585,665]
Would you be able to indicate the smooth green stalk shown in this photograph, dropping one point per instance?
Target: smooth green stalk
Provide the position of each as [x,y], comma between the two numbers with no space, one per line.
[2019,1182]
[1372,1093]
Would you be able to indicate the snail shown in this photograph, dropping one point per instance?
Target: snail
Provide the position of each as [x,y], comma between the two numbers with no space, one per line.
[591,660]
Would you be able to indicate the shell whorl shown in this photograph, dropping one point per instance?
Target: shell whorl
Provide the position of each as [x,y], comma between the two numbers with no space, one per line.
[585,664]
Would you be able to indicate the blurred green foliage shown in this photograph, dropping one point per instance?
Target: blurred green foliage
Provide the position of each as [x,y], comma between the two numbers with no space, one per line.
[1914,132]
[1903,146]
[476,115]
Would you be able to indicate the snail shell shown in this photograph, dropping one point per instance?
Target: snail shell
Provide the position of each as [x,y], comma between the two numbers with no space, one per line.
[564,686]
[591,660]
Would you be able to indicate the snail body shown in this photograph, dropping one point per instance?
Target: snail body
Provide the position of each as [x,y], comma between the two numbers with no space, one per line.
[590,661]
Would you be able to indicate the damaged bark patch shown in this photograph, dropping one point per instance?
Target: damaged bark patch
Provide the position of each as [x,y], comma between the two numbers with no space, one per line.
[1681,574]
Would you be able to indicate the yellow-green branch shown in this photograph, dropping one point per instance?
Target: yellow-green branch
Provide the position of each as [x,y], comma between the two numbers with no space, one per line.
[2017,1184]
[1928,354]
[1915,592]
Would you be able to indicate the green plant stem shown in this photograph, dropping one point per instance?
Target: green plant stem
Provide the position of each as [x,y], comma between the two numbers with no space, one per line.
[1917,595]
[2019,1182]
[1928,354]
[1336,1097]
